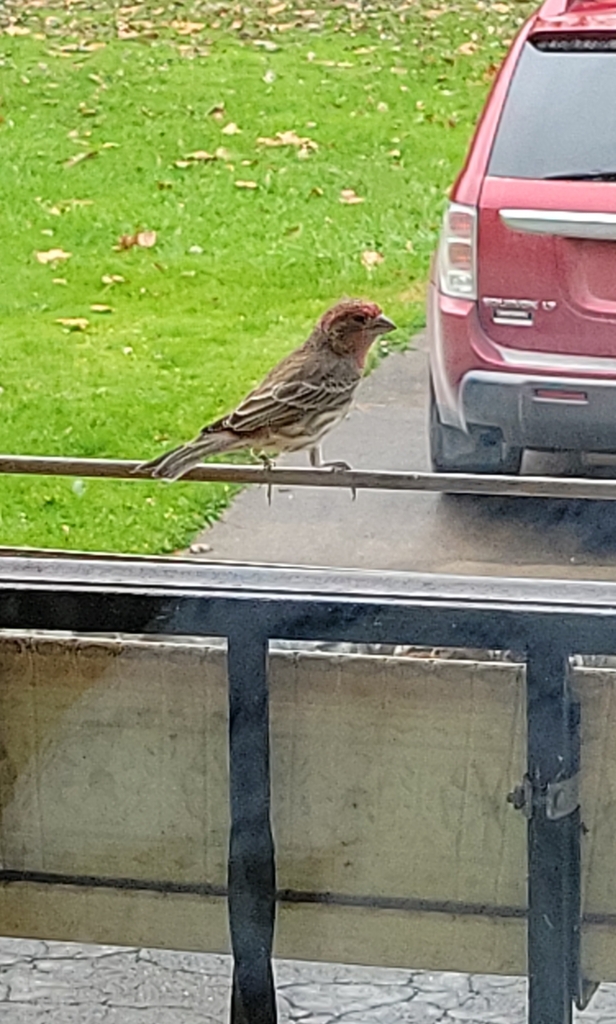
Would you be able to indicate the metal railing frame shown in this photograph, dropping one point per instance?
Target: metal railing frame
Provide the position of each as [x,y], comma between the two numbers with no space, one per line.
[251,605]
[353,479]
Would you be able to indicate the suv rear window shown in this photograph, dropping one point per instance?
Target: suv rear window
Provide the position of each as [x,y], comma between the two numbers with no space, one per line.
[559,118]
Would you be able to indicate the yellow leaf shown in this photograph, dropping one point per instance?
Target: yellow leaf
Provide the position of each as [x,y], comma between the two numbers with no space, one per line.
[231,129]
[468,49]
[289,138]
[73,323]
[371,259]
[51,255]
[146,239]
[79,158]
[187,28]
[350,197]
[98,307]
[246,184]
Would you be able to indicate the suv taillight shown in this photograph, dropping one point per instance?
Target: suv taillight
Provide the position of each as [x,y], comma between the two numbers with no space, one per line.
[458,252]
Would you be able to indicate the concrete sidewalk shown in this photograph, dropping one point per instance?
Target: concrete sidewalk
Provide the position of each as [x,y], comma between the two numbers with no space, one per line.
[59,983]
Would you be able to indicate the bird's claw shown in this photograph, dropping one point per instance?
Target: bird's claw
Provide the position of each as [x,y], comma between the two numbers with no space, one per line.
[337,467]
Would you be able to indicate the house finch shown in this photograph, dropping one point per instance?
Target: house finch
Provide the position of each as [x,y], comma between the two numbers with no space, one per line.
[302,398]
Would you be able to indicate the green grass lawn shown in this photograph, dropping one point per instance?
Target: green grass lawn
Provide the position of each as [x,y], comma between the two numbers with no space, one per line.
[101,108]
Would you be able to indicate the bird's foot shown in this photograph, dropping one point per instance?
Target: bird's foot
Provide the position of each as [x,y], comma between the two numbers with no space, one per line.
[336,467]
[262,458]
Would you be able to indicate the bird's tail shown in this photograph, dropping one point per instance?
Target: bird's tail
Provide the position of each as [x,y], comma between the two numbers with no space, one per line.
[176,463]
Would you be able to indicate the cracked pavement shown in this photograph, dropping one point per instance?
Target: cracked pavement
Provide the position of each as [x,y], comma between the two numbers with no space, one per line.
[66,983]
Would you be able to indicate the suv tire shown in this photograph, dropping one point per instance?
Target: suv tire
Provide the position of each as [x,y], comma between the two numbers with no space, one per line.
[481,450]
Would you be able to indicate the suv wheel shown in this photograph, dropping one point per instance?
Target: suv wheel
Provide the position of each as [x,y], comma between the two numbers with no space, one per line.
[481,450]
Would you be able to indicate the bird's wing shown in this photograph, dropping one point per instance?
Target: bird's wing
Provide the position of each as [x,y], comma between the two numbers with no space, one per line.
[277,405]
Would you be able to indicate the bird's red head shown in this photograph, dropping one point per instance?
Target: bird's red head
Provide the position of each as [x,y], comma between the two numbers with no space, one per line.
[351,326]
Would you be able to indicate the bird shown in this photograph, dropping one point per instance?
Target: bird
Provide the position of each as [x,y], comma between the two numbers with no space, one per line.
[301,398]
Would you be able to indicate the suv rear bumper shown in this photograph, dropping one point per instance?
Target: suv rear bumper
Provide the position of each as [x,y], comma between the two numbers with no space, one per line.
[521,407]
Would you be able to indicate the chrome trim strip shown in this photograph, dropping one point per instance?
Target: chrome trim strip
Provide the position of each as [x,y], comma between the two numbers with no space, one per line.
[565,223]
[529,380]
[525,358]
[511,321]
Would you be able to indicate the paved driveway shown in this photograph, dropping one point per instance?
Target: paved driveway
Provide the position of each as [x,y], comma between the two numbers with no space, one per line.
[56,983]
[414,531]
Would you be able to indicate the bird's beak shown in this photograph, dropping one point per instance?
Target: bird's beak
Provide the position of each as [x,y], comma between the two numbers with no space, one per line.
[382,324]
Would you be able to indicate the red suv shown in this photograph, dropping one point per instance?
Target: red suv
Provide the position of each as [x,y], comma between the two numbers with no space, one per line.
[522,297]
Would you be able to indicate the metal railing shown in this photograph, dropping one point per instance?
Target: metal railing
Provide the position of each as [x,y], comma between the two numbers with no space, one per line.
[251,605]
[352,479]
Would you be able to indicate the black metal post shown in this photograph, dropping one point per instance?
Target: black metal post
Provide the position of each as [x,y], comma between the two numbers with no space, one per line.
[252,877]
[553,838]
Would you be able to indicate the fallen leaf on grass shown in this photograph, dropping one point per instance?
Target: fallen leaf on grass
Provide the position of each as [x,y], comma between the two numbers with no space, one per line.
[217,111]
[16,30]
[142,239]
[80,157]
[246,184]
[468,49]
[73,323]
[290,138]
[188,28]
[52,255]
[266,44]
[490,72]
[231,129]
[350,198]
[112,279]
[201,154]
[370,258]
[98,307]
[59,280]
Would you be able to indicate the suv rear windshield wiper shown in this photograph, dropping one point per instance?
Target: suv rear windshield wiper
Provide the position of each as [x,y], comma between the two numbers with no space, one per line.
[582,176]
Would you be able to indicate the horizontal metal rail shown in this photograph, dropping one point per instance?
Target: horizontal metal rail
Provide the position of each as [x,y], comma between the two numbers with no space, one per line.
[567,488]
[251,605]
